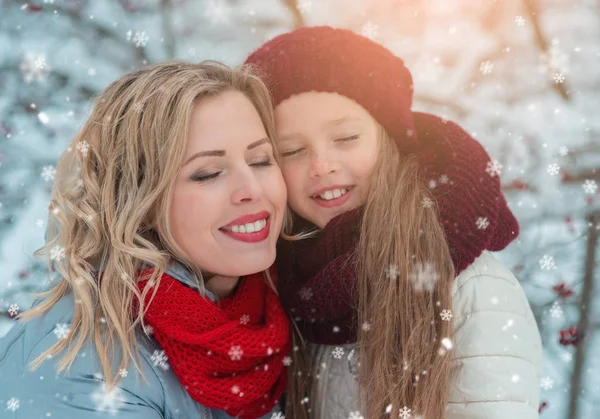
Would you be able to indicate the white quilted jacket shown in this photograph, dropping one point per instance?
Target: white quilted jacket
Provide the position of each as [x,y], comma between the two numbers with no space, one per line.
[497,353]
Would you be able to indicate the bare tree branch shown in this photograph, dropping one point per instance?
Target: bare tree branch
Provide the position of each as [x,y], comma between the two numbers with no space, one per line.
[292,6]
[583,326]
[542,44]
[578,177]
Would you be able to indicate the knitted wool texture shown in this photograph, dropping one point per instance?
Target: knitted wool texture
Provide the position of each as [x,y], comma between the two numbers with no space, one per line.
[457,168]
[325,59]
[228,356]
[317,275]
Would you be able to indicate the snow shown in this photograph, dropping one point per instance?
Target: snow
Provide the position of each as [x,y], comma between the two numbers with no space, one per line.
[477,63]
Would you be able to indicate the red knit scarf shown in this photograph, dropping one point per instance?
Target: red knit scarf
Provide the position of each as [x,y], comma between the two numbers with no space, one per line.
[228,356]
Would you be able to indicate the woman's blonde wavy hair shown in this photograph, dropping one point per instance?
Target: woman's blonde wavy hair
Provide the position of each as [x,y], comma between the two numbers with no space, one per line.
[403,361]
[108,215]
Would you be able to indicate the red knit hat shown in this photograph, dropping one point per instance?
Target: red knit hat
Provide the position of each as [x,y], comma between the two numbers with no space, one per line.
[324,59]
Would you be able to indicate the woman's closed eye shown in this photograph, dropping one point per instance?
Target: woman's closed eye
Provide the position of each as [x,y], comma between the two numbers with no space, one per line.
[263,163]
[204,177]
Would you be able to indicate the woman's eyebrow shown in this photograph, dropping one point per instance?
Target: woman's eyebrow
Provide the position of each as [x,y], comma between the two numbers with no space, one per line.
[221,153]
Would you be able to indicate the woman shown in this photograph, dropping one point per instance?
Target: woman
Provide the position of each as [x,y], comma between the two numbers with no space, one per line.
[167,208]
[405,311]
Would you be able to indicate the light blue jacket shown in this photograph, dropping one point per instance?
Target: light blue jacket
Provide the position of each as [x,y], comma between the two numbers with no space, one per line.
[81,393]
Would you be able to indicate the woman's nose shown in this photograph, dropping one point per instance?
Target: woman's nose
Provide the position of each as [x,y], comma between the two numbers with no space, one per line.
[247,188]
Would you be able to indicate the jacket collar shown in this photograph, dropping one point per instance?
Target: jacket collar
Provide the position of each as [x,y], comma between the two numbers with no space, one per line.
[179,272]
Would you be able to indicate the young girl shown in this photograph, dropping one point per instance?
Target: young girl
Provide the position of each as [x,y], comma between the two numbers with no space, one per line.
[168,206]
[405,311]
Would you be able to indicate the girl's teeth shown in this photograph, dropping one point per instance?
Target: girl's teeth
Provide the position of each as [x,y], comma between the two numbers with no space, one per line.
[250,227]
[332,194]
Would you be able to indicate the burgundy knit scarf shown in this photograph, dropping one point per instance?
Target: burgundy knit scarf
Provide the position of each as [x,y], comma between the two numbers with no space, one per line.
[317,276]
[228,356]
[317,280]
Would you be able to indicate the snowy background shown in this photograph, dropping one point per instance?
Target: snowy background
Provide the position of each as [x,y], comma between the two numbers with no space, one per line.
[523,76]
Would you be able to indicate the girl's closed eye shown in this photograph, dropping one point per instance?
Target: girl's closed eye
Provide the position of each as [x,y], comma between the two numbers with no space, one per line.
[347,139]
[291,152]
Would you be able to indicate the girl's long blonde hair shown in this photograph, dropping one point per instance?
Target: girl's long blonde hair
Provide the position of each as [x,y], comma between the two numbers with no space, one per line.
[402,250]
[109,208]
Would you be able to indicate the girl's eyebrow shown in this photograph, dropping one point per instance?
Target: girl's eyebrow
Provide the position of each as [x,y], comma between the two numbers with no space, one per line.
[338,121]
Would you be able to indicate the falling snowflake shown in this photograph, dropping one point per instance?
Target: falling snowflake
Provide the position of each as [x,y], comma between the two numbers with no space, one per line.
[519,20]
[405,413]
[482,223]
[486,67]
[107,399]
[140,38]
[559,78]
[355,415]
[305,293]
[563,151]
[39,223]
[12,404]
[493,168]
[235,389]
[61,330]
[567,357]
[245,319]
[236,353]
[83,147]
[446,346]
[392,272]
[427,202]
[369,30]
[13,310]
[590,186]
[556,311]
[160,359]
[366,326]
[553,169]
[137,107]
[338,353]
[555,60]
[57,253]
[123,372]
[287,361]
[547,263]
[424,277]
[446,315]
[43,118]
[34,68]
[48,173]
[444,179]
[278,415]
[546,383]
[218,11]
[148,329]
[304,6]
